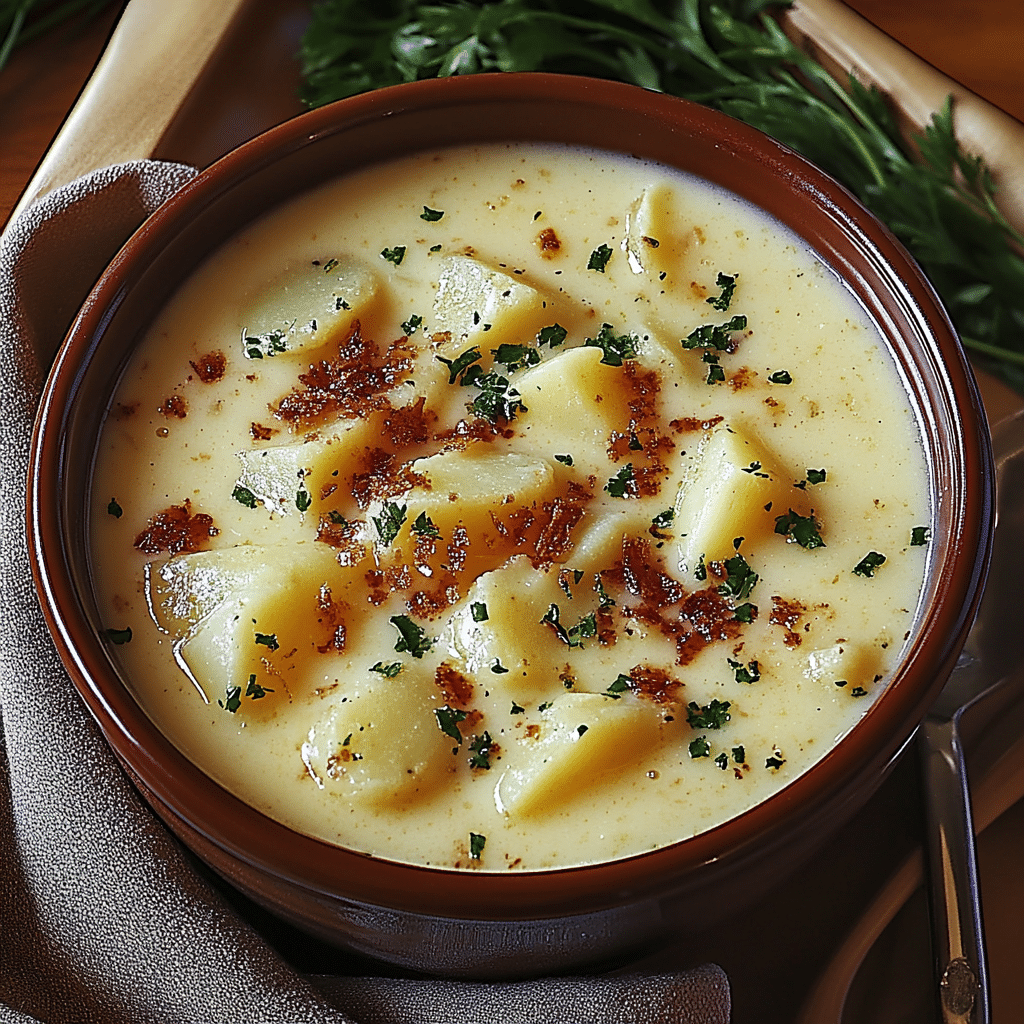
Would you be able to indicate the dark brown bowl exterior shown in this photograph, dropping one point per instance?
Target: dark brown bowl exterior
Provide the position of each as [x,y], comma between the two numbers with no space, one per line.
[514,924]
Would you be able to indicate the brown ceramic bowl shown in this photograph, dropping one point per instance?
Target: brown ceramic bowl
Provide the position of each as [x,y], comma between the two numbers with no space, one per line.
[512,924]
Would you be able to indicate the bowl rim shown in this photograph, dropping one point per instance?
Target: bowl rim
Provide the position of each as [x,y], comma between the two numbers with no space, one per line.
[178,788]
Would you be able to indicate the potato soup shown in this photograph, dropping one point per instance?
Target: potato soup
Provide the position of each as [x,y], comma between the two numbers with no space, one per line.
[509,507]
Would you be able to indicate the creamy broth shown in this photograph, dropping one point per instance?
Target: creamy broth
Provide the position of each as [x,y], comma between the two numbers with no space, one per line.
[599,515]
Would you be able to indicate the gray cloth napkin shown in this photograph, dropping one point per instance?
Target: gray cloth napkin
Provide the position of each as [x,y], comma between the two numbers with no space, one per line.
[103,916]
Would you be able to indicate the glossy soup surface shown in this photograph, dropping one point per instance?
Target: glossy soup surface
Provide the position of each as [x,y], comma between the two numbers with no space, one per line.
[508,508]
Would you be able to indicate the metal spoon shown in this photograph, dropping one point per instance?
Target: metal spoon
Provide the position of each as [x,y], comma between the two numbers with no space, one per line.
[992,647]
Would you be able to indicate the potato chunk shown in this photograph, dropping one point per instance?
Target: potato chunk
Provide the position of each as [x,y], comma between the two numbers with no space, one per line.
[584,736]
[728,482]
[653,242]
[574,401]
[475,302]
[500,622]
[379,742]
[253,611]
[307,306]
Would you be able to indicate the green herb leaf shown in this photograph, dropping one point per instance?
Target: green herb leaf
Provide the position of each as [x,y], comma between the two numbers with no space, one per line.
[516,709]
[623,484]
[262,346]
[599,258]
[233,699]
[815,476]
[395,255]
[498,669]
[514,357]
[120,636]
[412,325]
[749,673]
[869,563]
[801,529]
[113,509]
[717,337]
[389,522]
[431,215]
[244,496]
[268,640]
[389,671]
[480,748]
[255,690]
[478,609]
[781,377]
[774,762]
[423,526]
[728,285]
[566,460]
[708,716]
[457,367]
[412,639]
[552,336]
[740,579]
[621,685]
[919,536]
[476,845]
[448,721]
[700,747]
[303,499]
[616,347]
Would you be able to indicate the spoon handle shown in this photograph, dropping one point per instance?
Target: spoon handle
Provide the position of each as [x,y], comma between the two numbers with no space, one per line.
[957,936]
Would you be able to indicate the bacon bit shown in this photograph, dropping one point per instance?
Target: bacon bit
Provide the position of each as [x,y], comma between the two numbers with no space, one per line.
[742,378]
[384,582]
[176,529]
[606,635]
[428,604]
[457,549]
[329,615]
[644,580]
[561,516]
[698,290]
[533,731]
[689,424]
[408,425]
[463,433]
[772,403]
[344,537]
[260,432]
[549,243]
[210,367]
[174,406]
[352,384]
[125,412]
[383,475]
[654,683]
[456,688]
[711,615]
[787,614]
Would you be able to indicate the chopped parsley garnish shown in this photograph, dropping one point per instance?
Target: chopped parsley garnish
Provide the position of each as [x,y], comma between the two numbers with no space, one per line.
[543,707]
[268,640]
[120,636]
[616,347]
[497,400]
[722,760]
[740,579]
[585,629]
[869,563]
[802,529]
[389,522]
[566,460]
[478,609]
[448,721]
[395,255]
[599,258]
[717,336]
[498,669]
[424,526]
[460,364]
[431,215]
[255,691]
[623,484]
[553,335]
[412,325]
[919,536]
[716,372]
[337,518]
[739,754]
[434,248]
[389,671]
[413,638]
[581,729]
[264,345]
[858,691]
[728,285]
[708,716]
[604,599]
[303,499]
[619,687]
[745,612]
[749,673]
[754,469]
[700,571]
[330,265]
[516,709]
[476,845]
[115,510]
[663,520]
[781,377]
[244,496]
[514,357]
[480,748]
[340,304]
[816,476]
[233,701]
[700,747]
[775,762]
